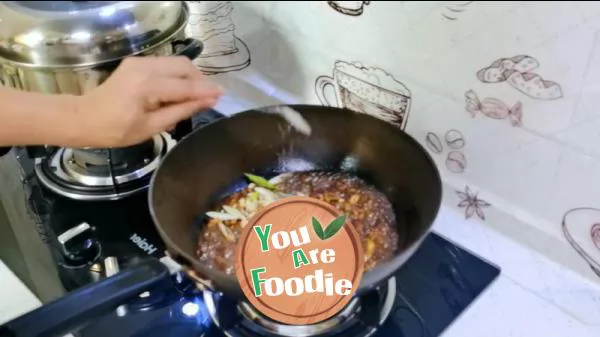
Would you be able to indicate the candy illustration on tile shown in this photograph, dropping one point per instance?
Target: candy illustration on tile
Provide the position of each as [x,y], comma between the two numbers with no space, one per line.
[456,161]
[581,228]
[351,8]
[368,90]
[472,204]
[211,23]
[516,71]
[493,108]
[453,9]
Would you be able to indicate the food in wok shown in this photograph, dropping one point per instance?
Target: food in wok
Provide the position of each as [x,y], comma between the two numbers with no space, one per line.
[368,209]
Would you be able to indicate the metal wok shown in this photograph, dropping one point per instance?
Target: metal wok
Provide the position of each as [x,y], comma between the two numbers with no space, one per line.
[211,161]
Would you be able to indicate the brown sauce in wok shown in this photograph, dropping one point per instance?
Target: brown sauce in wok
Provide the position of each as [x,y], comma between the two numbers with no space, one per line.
[368,210]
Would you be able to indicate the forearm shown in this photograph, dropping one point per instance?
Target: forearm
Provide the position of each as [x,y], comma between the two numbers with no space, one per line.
[28,118]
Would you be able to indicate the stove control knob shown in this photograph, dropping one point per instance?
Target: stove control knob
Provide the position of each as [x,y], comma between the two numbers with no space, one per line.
[79,244]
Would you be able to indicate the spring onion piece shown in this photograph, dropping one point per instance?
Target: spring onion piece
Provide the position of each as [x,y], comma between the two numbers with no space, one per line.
[234,212]
[267,195]
[226,232]
[222,216]
[259,181]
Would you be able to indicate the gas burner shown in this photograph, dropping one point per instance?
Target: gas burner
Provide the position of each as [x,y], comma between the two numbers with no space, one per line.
[180,290]
[360,318]
[102,174]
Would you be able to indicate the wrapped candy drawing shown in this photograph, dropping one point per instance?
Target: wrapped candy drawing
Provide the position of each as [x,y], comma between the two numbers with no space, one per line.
[493,108]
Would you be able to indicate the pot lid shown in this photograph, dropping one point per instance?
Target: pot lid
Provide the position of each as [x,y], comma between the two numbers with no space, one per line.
[80,33]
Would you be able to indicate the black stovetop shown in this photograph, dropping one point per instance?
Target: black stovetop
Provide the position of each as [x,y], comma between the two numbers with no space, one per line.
[432,289]
[437,284]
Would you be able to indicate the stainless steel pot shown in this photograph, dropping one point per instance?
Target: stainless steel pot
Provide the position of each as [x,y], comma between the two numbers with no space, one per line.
[70,47]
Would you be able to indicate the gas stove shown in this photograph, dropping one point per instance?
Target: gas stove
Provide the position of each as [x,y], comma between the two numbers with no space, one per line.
[90,240]
[422,299]
[91,174]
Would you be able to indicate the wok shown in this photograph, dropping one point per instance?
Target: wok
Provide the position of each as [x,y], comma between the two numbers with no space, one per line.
[210,162]
[202,168]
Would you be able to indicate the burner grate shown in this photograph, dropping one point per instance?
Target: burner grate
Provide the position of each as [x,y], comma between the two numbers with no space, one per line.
[361,317]
[102,174]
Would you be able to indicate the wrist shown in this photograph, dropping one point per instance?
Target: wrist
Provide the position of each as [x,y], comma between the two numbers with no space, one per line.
[38,119]
[57,120]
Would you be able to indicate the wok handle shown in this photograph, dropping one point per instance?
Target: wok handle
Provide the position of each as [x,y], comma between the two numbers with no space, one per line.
[89,303]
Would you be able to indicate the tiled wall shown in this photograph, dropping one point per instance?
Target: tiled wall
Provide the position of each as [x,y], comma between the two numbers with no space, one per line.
[504,95]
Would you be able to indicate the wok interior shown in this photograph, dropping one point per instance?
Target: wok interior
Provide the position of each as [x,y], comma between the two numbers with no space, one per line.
[210,160]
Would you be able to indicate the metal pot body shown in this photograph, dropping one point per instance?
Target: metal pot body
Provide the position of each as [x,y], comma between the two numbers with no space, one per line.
[72,80]
[70,47]
[69,80]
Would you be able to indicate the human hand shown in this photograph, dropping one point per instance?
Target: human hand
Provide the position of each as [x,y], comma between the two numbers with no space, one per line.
[143,97]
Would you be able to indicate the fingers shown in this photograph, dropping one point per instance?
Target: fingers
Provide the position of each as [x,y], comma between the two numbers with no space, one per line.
[176,90]
[169,66]
[170,115]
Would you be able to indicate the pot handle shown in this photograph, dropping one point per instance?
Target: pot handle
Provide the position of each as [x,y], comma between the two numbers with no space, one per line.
[86,304]
[190,48]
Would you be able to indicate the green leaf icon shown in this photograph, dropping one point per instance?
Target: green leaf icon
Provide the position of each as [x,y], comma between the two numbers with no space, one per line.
[331,229]
[318,229]
[260,181]
[335,226]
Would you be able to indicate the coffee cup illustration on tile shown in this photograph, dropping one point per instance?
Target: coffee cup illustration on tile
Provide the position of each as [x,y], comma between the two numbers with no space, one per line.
[353,8]
[368,90]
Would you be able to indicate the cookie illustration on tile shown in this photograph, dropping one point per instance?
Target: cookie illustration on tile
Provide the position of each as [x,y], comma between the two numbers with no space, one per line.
[368,90]
[534,85]
[351,8]
[517,71]
[211,23]
[493,108]
[495,73]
